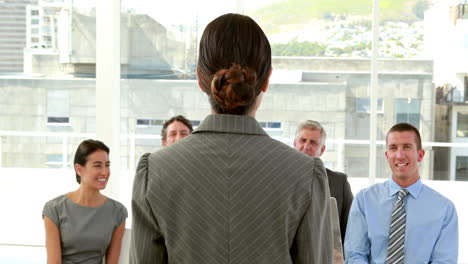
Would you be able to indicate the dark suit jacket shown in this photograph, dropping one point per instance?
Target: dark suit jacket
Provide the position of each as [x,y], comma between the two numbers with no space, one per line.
[341,191]
[229,193]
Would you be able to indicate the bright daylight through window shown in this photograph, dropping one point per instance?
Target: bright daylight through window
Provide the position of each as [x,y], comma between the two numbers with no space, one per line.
[323,70]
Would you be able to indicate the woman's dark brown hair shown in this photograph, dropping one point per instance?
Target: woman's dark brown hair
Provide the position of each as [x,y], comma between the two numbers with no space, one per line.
[85,149]
[234,63]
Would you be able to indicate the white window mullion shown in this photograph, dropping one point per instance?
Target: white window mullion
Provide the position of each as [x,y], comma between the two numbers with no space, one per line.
[108,83]
[373,92]
[239,6]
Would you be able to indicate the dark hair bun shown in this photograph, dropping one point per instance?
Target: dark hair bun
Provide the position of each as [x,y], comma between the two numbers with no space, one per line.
[233,87]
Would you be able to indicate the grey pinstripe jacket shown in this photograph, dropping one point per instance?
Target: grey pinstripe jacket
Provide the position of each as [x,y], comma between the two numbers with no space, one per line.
[230,194]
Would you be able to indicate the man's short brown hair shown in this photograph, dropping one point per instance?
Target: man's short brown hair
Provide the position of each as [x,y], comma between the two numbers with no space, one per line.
[401,127]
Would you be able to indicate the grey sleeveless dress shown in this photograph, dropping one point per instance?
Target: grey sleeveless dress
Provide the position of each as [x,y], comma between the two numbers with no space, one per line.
[85,232]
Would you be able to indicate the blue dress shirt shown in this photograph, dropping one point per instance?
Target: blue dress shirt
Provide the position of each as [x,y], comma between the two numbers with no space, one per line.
[431,225]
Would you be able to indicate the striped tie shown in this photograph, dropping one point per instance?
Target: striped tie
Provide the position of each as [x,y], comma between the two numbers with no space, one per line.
[396,241]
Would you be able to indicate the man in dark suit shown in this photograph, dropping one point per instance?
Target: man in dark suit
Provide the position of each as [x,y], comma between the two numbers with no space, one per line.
[310,139]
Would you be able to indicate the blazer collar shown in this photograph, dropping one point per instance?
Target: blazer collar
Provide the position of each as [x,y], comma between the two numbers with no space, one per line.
[239,124]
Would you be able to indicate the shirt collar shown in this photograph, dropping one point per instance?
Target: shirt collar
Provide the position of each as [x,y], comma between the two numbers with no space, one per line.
[414,189]
[239,124]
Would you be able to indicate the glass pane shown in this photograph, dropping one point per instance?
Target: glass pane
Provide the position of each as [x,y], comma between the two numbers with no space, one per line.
[426,41]
[320,72]
[47,89]
[405,75]
[159,53]
[323,28]
[408,111]
[462,168]
[402,28]
[462,125]
[321,88]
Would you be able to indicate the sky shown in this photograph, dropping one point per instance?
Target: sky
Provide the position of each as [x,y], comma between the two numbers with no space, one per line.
[184,11]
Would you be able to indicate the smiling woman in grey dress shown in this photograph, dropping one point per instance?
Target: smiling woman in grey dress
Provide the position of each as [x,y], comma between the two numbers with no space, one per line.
[83,226]
[228,193]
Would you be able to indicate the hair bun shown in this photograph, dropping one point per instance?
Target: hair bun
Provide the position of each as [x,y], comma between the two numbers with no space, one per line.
[233,87]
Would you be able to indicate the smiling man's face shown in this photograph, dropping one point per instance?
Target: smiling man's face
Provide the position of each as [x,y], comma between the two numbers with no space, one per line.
[403,157]
[175,132]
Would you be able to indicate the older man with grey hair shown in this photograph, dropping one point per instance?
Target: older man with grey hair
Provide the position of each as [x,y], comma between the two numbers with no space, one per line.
[310,139]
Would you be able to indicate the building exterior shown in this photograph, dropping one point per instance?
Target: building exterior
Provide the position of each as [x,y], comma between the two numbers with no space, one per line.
[341,102]
[13,34]
[41,26]
[447,43]
[67,106]
[159,83]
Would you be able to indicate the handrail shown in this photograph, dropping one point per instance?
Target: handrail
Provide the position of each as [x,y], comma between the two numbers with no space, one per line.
[132,137]
[20,245]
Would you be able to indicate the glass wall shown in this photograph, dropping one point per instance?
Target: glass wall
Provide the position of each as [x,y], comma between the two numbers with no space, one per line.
[405,75]
[47,107]
[158,71]
[323,70]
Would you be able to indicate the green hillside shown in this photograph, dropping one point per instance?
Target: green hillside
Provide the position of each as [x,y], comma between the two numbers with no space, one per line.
[289,12]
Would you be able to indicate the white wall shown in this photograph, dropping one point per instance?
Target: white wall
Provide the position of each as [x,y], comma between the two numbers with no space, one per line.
[23,193]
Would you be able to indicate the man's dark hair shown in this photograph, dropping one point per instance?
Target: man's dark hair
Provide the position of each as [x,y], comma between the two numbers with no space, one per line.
[402,127]
[179,118]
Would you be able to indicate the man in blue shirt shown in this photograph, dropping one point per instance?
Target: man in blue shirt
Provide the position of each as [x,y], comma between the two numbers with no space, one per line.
[429,234]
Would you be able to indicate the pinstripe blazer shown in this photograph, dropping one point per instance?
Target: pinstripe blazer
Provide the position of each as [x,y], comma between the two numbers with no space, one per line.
[229,193]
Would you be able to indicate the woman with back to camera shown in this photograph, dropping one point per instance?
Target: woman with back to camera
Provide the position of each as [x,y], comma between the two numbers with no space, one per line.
[83,226]
[229,193]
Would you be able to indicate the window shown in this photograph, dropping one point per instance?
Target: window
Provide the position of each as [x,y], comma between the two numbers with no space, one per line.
[466,88]
[195,123]
[46,29]
[363,105]
[143,122]
[57,120]
[408,111]
[54,161]
[271,125]
[36,145]
[461,173]
[463,11]
[58,104]
[156,122]
[159,122]
[149,122]
[148,132]
[272,128]
[462,125]
[322,38]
